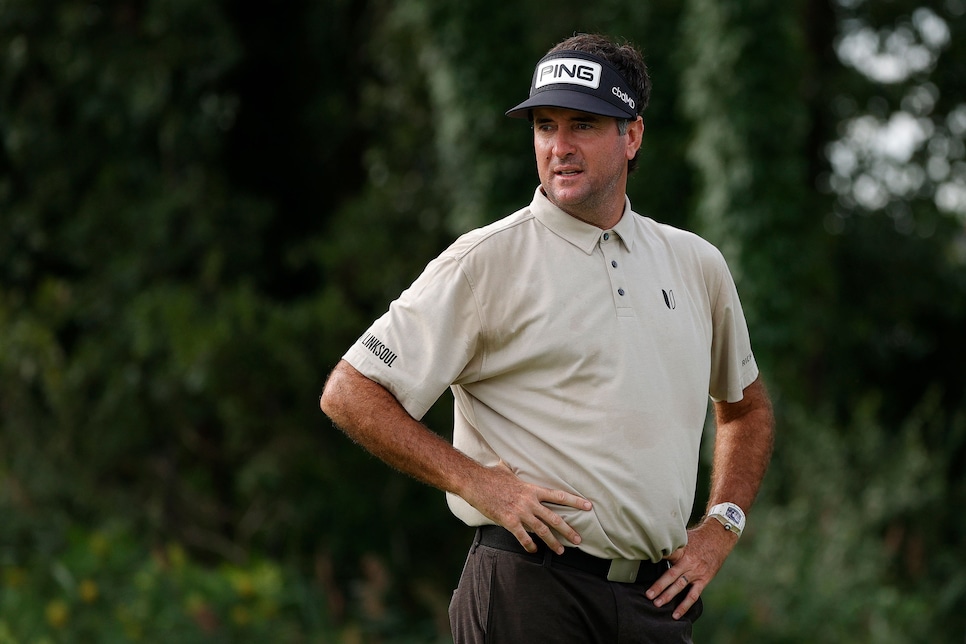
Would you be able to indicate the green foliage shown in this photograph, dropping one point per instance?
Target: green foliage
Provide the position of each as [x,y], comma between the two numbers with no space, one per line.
[104,586]
[743,95]
[203,204]
[843,524]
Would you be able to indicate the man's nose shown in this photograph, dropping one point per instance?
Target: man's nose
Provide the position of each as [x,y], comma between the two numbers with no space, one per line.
[563,144]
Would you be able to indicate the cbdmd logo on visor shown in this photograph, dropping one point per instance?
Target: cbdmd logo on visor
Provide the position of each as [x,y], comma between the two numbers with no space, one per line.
[619,93]
[575,71]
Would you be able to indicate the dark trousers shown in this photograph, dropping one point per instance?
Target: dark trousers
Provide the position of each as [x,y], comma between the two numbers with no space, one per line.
[507,597]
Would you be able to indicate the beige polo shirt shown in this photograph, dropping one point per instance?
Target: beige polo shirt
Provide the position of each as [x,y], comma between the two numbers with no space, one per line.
[583,358]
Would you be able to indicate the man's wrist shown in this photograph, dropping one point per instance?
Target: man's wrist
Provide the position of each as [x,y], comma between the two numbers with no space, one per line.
[730,516]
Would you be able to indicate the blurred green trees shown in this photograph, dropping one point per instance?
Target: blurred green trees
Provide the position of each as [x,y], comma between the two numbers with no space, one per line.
[203,204]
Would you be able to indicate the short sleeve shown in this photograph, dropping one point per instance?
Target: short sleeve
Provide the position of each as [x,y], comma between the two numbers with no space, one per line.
[733,365]
[426,339]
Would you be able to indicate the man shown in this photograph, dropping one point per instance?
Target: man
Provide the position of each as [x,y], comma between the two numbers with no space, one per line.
[581,342]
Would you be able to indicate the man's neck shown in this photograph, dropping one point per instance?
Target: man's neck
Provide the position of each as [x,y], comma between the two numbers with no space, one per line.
[604,218]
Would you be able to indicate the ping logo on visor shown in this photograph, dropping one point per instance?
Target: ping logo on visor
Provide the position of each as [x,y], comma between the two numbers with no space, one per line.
[578,81]
[576,71]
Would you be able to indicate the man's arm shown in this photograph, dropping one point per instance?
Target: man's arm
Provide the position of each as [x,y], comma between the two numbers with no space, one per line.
[372,417]
[744,439]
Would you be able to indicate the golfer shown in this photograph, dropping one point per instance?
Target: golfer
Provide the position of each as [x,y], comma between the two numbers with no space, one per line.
[581,342]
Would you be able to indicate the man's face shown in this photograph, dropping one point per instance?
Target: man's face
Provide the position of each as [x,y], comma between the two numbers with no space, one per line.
[582,162]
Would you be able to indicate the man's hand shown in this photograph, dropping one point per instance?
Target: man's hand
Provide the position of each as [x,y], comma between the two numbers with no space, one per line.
[742,449]
[693,566]
[371,416]
[521,508]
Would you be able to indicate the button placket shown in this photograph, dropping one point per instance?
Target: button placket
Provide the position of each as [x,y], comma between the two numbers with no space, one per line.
[610,247]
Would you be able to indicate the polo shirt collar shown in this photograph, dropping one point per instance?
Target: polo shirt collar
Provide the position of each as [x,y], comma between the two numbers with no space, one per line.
[581,234]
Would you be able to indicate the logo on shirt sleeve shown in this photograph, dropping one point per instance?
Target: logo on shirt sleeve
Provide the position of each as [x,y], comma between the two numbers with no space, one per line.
[378,349]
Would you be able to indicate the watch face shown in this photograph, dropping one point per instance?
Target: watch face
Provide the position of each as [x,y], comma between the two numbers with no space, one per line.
[733,515]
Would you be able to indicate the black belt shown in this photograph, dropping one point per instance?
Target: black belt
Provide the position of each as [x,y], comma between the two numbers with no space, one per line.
[496,537]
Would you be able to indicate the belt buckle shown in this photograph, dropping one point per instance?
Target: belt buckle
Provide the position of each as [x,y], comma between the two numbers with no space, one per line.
[623,570]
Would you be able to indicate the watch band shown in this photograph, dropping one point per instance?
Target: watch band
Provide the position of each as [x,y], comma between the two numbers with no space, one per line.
[730,516]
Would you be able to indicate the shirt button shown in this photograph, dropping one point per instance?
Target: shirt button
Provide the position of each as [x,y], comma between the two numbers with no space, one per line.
[606,236]
[613,263]
[620,291]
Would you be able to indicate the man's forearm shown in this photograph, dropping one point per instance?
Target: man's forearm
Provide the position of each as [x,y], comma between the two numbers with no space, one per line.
[372,417]
[743,446]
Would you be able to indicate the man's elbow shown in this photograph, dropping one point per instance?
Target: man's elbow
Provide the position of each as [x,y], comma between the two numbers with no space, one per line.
[333,392]
[325,400]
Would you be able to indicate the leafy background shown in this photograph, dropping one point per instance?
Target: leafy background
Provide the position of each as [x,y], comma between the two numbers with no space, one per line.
[203,204]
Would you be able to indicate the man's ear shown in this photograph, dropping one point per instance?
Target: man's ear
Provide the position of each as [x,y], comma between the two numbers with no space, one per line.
[635,136]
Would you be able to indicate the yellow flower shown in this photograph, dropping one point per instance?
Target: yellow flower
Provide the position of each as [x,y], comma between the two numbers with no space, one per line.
[88,591]
[194,602]
[267,580]
[243,583]
[176,556]
[99,544]
[14,577]
[133,631]
[240,615]
[130,621]
[57,613]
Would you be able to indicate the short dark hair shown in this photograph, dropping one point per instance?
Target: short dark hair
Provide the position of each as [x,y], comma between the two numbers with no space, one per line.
[624,56]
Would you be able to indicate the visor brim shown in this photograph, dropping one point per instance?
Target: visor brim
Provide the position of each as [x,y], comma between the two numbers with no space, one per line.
[571,100]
